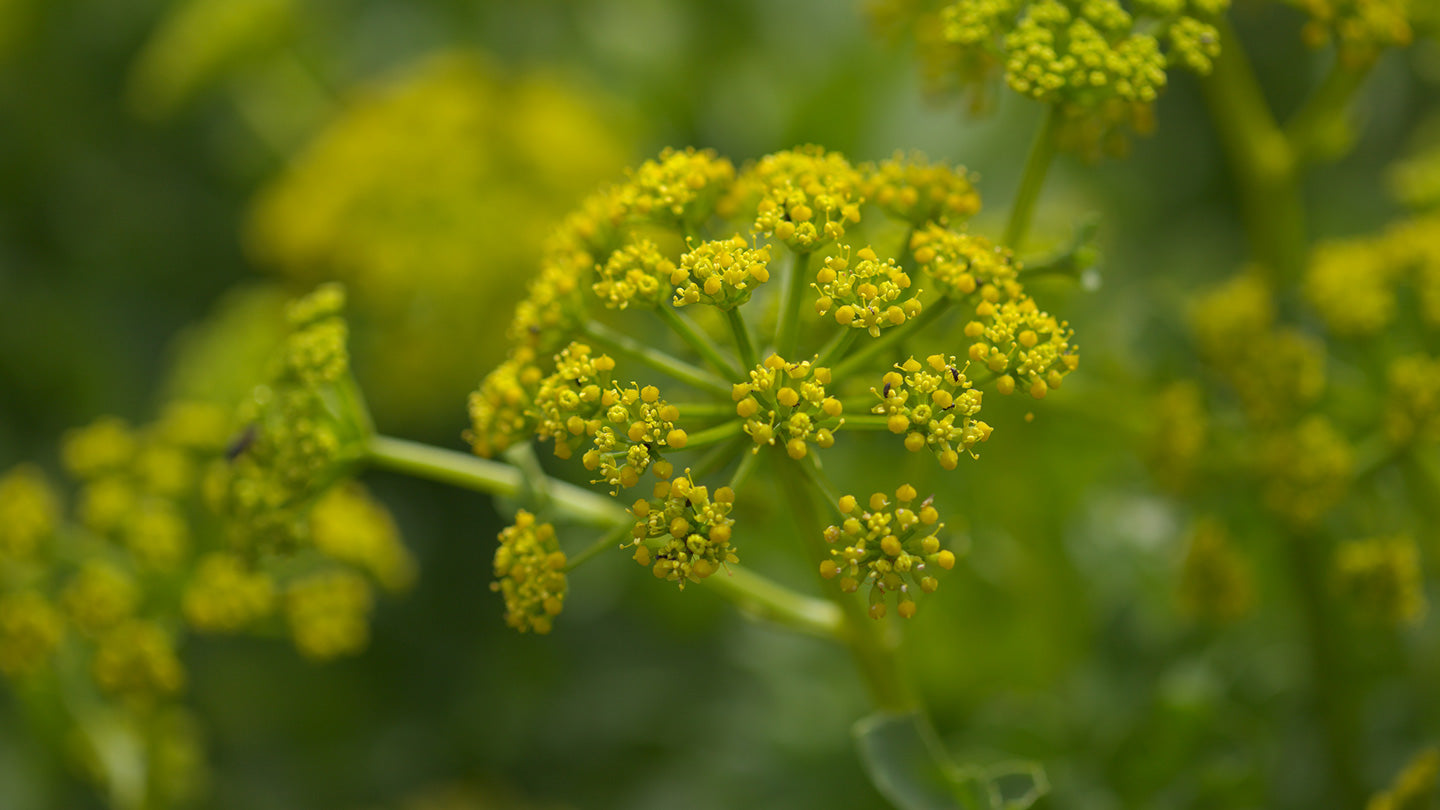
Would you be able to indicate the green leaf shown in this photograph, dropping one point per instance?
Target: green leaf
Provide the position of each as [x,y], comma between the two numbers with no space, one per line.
[909,766]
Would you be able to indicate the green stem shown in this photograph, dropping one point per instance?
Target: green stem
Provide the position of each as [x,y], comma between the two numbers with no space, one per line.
[703,410]
[718,457]
[749,460]
[1037,165]
[654,358]
[1314,131]
[787,330]
[1261,161]
[491,477]
[867,422]
[612,540]
[892,337]
[699,342]
[711,435]
[1338,714]
[743,342]
[874,653]
[761,598]
[836,348]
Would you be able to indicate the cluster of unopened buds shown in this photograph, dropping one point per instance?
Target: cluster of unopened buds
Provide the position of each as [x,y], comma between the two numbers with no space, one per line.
[699,318]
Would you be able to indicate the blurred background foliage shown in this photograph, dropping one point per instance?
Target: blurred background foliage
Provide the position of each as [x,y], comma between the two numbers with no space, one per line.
[170,173]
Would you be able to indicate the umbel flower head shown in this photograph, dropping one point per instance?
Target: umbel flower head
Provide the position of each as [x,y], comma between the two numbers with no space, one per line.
[707,318]
[303,430]
[890,548]
[1101,63]
[97,601]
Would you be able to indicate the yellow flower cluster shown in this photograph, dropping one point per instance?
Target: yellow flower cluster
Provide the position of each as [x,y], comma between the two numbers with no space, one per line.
[135,484]
[226,596]
[867,294]
[1414,787]
[1179,437]
[1353,283]
[1009,334]
[786,403]
[1360,29]
[723,273]
[415,183]
[328,613]
[29,511]
[781,259]
[301,430]
[681,187]
[1307,469]
[1381,577]
[683,533]
[888,547]
[808,196]
[1412,403]
[935,406]
[137,660]
[625,425]
[98,597]
[349,526]
[31,628]
[530,574]
[498,407]
[637,273]
[1100,65]
[1215,582]
[918,192]
[1415,181]
[1275,371]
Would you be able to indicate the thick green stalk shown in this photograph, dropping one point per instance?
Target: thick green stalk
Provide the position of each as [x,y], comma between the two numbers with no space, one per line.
[491,477]
[1261,161]
[787,330]
[1316,130]
[1335,706]
[1037,165]
[760,598]
[656,359]
[699,342]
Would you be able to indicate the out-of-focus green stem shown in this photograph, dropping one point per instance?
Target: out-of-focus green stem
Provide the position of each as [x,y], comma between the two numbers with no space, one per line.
[654,358]
[1261,161]
[1312,129]
[1334,703]
[491,477]
[1037,165]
